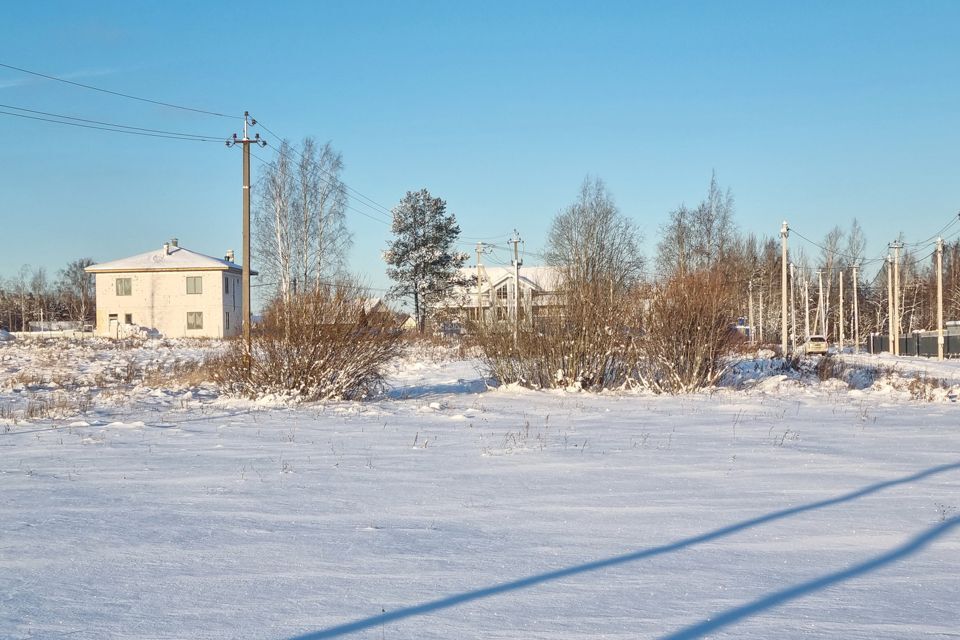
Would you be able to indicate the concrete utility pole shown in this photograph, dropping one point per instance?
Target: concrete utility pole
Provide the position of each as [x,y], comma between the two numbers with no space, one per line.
[890,327]
[856,313]
[750,310]
[482,248]
[793,312]
[897,245]
[760,325]
[840,323]
[806,307]
[821,312]
[516,240]
[245,282]
[784,232]
[939,298]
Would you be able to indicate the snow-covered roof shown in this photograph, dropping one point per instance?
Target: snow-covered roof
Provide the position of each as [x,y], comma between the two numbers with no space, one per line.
[546,279]
[167,258]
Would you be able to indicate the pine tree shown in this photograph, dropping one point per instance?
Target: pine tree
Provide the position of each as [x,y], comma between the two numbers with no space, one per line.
[422,259]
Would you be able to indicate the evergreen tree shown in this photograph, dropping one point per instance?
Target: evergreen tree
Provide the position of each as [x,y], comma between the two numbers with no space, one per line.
[421,259]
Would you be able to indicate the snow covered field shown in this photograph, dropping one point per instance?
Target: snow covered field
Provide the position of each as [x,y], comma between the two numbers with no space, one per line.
[784,509]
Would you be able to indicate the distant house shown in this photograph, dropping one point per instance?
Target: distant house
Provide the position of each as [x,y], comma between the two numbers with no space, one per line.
[493,293]
[178,292]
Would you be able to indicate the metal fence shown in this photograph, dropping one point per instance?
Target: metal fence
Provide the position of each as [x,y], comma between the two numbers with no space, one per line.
[919,343]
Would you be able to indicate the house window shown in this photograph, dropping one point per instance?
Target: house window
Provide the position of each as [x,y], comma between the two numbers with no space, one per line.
[112,317]
[226,321]
[226,285]
[124,287]
[194,320]
[128,318]
[502,293]
[194,284]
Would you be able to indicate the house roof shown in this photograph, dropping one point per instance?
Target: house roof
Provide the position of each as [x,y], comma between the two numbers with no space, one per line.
[544,279]
[172,258]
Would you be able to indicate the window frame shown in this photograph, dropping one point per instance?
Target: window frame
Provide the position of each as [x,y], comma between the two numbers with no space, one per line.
[197,282]
[126,290]
[194,320]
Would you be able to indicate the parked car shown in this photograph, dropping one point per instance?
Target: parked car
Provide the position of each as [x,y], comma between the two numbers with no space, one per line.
[815,345]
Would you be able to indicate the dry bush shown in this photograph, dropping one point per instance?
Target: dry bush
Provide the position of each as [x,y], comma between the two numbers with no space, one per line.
[592,345]
[688,332]
[318,345]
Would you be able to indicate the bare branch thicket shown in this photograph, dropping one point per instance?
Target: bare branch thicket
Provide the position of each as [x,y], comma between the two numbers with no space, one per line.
[320,344]
[299,221]
[687,332]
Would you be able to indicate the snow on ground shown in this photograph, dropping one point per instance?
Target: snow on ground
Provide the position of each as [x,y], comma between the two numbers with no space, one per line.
[775,508]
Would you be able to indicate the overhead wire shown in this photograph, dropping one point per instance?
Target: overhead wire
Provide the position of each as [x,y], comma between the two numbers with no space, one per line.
[117,93]
[172,135]
[108,124]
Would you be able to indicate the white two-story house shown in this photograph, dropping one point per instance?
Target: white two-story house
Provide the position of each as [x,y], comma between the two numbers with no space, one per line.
[178,292]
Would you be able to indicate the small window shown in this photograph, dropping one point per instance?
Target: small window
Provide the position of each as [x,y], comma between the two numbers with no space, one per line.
[128,318]
[226,285]
[226,321]
[124,287]
[502,292]
[194,284]
[194,320]
[112,316]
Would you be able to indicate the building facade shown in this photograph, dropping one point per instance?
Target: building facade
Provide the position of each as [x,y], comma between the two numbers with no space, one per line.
[177,292]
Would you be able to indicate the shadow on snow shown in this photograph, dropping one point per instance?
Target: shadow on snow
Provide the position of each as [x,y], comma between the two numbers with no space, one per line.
[722,619]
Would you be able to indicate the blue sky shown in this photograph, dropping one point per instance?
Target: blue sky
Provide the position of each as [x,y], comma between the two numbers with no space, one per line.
[811,112]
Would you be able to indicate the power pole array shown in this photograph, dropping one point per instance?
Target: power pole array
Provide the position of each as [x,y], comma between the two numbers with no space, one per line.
[890,327]
[856,313]
[245,289]
[939,298]
[896,246]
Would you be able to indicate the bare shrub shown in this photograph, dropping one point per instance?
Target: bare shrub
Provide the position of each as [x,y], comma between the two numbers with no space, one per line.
[687,332]
[318,345]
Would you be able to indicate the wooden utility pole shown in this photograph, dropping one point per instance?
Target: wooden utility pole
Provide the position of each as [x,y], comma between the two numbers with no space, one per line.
[806,307]
[890,327]
[245,282]
[516,240]
[750,310]
[784,231]
[856,313]
[939,298]
[896,294]
[760,324]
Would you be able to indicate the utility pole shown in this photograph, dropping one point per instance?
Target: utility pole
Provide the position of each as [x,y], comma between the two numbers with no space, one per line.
[890,328]
[482,248]
[245,282]
[750,310]
[784,232]
[856,313]
[897,245]
[793,311]
[939,298]
[840,323]
[806,307]
[821,312]
[516,240]
[760,326]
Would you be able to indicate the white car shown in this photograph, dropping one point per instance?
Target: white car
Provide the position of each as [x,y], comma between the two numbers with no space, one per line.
[816,344]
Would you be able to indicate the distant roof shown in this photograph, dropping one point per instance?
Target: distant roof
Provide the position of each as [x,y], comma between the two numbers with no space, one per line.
[172,258]
[538,277]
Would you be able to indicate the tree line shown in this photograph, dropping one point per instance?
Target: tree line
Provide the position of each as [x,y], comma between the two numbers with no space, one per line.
[31,295]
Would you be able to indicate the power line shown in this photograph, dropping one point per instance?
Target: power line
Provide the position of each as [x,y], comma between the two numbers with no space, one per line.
[117,93]
[355,210]
[107,124]
[90,126]
[365,200]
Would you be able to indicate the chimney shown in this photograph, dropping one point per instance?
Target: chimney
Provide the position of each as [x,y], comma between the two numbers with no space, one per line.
[166,249]
[174,243]
[229,257]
